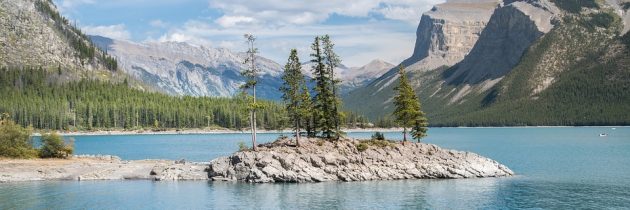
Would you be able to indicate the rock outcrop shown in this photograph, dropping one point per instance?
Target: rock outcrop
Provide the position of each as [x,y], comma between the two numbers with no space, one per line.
[33,34]
[511,30]
[106,167]
[318,161]
[448,32]
[445,35]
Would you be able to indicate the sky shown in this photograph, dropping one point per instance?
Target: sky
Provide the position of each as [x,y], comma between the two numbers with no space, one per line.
[362,30]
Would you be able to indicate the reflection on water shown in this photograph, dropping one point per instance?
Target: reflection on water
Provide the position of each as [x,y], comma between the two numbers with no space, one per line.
[558,168]
[501,193]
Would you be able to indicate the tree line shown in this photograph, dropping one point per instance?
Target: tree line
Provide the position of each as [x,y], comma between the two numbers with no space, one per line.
[33,98]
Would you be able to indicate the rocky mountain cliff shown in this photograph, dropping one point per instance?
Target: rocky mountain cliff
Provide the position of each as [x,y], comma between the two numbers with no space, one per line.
[533,56]
[34,34]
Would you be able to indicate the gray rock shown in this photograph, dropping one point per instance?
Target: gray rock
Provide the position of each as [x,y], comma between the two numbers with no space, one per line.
[341,161]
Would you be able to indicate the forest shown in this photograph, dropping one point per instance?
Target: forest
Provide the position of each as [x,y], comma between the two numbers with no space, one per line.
[32,97]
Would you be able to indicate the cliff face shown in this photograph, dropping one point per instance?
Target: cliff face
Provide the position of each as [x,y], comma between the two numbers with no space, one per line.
[34,34]
[511,30]
[462,47]
[446,34]
[537,62]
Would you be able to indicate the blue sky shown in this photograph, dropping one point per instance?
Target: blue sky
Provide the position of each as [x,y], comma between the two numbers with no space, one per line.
[362,29]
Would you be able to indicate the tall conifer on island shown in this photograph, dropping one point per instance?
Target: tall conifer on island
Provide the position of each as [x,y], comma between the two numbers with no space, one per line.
[251,73]
[295,93]
[332,61]
[407,111]
[324,115]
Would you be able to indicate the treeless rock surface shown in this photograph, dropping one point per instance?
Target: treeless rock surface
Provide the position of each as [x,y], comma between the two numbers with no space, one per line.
[318,160]
[99,168]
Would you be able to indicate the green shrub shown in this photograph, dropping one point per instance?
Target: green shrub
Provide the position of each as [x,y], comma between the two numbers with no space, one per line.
[15,141]
[54,146]
[378,136]
[602,19]
[575,6]
[362,147]
[242,147]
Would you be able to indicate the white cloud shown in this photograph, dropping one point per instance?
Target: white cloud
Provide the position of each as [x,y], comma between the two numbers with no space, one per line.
[229,21]
[158,24]
[74,3]
[112,31]
[279,12]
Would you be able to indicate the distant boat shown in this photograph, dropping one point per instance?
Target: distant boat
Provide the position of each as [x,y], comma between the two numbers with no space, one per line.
[603,135]
[614,128]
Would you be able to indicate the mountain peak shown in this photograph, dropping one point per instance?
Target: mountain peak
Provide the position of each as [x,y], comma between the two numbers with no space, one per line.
[378,63]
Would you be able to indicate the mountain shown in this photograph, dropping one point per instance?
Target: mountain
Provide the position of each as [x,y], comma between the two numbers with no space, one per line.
[534,62]
[52,77]
[180,68]
[34,34]
[354,77]
[184,69]
[357,77]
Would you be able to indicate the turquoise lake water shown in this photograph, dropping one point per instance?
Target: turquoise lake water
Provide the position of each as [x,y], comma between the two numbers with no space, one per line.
[558,168]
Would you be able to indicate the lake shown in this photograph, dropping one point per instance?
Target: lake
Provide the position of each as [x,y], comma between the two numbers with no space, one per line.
[558,168]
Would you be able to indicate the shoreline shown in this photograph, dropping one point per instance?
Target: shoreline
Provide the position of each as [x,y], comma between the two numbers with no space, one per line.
[196,132]
[227,131]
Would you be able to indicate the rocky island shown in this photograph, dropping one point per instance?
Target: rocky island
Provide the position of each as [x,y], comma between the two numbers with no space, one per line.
[351,160]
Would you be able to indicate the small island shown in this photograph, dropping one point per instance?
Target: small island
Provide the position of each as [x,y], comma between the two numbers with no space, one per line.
[317,160]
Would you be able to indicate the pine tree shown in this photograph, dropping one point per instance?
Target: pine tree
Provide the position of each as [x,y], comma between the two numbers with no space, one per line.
[332,61]
[251,73]
[307,108]
[407,111]
[322,101]
[294,94]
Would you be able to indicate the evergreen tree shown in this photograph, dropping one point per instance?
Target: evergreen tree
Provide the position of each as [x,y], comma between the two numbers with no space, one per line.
[407,111]
[251,73]
[420,127]
[307,108]
[323,100]
[294,93]
[332,61]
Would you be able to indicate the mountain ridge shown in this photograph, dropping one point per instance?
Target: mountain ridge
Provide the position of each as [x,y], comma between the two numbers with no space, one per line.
[527,83]
[180,68]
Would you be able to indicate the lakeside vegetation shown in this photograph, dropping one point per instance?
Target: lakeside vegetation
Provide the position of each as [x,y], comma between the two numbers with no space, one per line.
[16,142]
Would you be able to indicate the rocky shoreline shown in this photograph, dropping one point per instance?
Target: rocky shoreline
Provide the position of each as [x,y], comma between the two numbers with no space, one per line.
[86,167]
[280,161]
[317,161]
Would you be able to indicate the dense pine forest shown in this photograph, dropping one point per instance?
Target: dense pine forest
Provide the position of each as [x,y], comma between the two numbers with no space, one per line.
[32,98]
